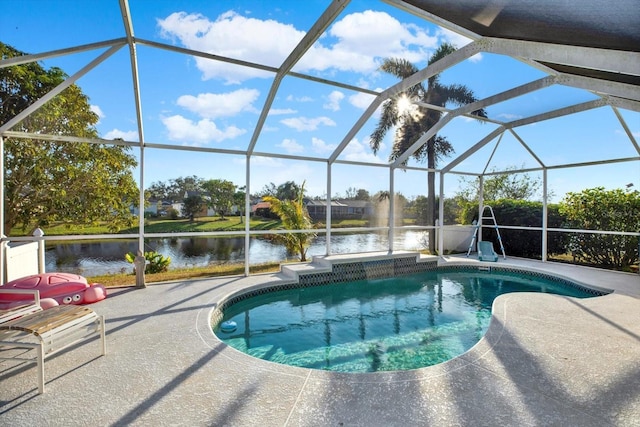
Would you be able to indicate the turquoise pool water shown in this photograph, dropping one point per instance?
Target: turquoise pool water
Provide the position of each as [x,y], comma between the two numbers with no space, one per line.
[388,324]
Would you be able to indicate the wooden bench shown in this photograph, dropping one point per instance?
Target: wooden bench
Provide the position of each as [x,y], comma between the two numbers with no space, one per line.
[50,331]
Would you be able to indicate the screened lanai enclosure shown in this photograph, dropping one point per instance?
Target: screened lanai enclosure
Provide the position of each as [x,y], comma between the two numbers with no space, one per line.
[356,100]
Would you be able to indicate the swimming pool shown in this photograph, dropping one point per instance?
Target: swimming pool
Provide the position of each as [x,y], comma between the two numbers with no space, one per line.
[387,324]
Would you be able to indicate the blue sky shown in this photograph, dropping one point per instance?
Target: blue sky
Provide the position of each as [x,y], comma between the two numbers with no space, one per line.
[190,101]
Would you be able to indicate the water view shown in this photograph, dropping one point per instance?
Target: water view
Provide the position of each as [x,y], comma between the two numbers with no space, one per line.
[107,257]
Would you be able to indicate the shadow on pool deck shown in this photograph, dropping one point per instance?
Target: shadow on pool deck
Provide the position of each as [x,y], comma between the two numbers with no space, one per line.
[546,360]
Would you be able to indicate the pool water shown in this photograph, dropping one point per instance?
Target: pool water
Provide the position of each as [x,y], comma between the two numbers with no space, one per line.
[387,324]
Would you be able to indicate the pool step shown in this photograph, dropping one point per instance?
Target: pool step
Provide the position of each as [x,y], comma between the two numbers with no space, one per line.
[367,265]
[293,271]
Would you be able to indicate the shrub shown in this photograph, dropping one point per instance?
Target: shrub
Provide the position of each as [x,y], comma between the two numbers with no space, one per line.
[173,213]
[156,262]
[606,210]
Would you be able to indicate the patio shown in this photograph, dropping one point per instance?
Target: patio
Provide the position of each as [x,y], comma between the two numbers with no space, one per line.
[546,360]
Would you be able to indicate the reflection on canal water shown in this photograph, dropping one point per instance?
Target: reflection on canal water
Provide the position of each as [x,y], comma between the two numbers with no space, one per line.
[107,257]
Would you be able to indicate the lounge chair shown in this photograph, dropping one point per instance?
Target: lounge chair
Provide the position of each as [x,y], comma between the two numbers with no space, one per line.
[486,252]
[48,332]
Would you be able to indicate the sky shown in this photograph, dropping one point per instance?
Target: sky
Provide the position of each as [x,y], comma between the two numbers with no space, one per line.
[193,102]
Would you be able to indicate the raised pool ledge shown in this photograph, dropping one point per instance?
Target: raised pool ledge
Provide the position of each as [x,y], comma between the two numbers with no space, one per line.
[347,267]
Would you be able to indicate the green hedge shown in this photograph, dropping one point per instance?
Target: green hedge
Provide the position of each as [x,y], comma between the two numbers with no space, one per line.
[601,209]
[522,213]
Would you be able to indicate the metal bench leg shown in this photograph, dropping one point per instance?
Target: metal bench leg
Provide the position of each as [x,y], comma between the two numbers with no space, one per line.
[40,350]
[102,335]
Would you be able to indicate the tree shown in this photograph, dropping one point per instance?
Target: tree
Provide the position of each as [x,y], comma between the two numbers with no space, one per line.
[606,210]
[420,206]
[175,189]
[268,190]
[350,193]
[515,186]
[239,199]
[381,196]
[191,205]
[413,122]
[294,216]
[181,186]
[159,191]
[288,191]
[221,195]
[362,194]
[357,194]
[50,181]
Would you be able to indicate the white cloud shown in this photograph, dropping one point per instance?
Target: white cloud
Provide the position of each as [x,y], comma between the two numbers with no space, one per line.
[281,111]
[198,133]
[454,38]
[98,111]
[361,100]
[234,36]
[333,101]
[306,124]
[362,39]
[130,135]
[291,146]
[359,152]
[509,116]
[321,147]
[300,99]
[635,134]
[271,162]
[458,41]
[213,105]
[476,58]
[355,43]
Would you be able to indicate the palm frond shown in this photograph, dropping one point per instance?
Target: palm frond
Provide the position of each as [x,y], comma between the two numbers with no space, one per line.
[409,128]
[294,216]
[388,119]
[399,67]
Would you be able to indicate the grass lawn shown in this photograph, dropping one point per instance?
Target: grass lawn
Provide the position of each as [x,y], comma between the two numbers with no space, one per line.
[162,225]
[203,224]
[129,279]
[232,223]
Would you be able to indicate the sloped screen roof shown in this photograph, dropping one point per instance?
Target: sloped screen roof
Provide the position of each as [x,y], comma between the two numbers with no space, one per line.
[529,62]
[588,23]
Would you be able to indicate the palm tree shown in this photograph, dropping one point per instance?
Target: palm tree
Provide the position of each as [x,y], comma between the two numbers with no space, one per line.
[294,216]
[413,122]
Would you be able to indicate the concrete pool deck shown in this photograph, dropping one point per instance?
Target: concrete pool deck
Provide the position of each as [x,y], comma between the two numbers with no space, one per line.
[546,360]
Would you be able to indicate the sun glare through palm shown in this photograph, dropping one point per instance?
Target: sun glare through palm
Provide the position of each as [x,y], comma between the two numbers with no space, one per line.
[404,105]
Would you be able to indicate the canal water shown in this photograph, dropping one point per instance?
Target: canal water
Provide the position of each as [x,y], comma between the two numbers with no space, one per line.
[107,257]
